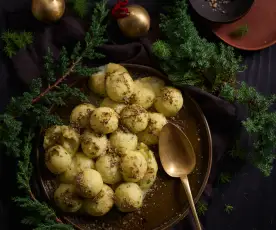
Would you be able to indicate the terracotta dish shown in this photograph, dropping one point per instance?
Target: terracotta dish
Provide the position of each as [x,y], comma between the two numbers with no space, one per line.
[221,10]
[166,203]
[260,21]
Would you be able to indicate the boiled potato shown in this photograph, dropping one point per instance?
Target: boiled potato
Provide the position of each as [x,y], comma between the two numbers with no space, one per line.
[80,115]
[79,163]
[109,168]
[101,204]
[134,118]
[89,183]
[128,197]
[96,82]
[122,141]
[52,136]
[70,139]
[57,159]
[133,166]
[143,95]
[63,135]
[153,82]
[93,144]
[83,162]
[152,169]
[169,101]
[150,135]
[104,120]
[66,198]
[118,107]
[119,84]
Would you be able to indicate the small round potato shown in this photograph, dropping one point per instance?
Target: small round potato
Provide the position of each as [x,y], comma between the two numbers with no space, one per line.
[83,162]
[169,101]
[101,204]
[123,141]
[79,163]
[143,95]
[134,118]
[96,82]
[66,198]
[63,135]
[70,139]
[119,84]
[104,120]
[133,166]
[152,169]
[109,168]
[155,83]
[128,197]
[118,107]
[93,144]
[89,183]
[57,159]
[52,136]
[80,115]
[150,135]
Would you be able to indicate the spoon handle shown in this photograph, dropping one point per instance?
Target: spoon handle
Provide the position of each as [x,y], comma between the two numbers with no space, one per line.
[185,182]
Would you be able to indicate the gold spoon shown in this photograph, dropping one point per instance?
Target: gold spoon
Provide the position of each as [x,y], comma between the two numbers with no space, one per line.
[178,159]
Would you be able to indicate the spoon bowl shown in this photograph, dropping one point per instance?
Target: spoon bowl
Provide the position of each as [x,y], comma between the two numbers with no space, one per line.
[178,159]
[176,151]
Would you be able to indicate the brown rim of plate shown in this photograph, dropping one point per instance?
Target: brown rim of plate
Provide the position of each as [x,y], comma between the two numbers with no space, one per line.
[207,129]
[261,12]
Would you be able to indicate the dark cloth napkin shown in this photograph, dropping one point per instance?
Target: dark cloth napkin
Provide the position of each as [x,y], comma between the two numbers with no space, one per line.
[27,64]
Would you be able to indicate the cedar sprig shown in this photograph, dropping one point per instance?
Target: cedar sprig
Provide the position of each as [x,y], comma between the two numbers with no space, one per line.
[260,124]
[15,41]
[189,59]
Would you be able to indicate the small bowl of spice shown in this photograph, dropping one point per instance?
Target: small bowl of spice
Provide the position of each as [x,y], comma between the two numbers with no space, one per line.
[221,10]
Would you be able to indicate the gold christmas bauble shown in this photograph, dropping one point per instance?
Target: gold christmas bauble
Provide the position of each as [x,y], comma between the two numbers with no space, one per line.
[48,10]
[137,23]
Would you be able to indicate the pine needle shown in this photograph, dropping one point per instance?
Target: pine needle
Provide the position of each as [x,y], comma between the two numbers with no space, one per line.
[15,41]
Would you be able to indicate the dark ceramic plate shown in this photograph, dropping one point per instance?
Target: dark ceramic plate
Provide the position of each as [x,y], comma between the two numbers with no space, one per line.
[166,203]
[260,21]
[225,10]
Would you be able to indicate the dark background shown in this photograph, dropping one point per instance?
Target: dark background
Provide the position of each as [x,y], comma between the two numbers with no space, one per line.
[251,194]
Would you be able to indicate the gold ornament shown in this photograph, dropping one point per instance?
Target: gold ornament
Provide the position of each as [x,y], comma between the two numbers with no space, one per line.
[48,10]
[136,24]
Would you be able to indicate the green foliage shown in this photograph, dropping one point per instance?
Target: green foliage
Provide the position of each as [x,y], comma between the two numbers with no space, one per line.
[25,167]
[189,59]
[240,31]
[228,208]
[79,6]
[15,41]
[224,178]
[201,208]
[33,110]
[260,124]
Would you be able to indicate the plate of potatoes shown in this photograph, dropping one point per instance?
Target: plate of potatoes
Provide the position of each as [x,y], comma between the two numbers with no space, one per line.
[101,169]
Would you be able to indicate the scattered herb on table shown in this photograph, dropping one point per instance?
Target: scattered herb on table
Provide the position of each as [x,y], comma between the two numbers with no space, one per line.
[201,207]
[240,31]
[228,208]
[224,178]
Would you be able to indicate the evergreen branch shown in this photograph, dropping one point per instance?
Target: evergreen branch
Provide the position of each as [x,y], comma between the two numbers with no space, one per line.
[201,208]
[260,124]
[15,41]
[80,6]
[189,59]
